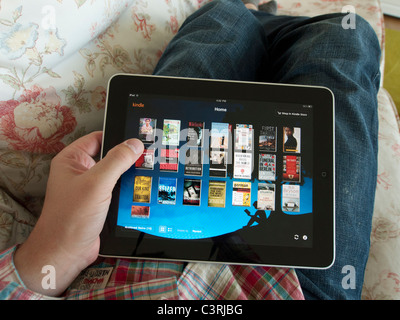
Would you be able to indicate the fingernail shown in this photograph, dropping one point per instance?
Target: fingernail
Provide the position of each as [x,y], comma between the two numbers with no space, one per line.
[136,145]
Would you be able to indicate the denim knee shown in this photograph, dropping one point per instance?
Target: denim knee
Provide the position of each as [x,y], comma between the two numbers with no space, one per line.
[358,39]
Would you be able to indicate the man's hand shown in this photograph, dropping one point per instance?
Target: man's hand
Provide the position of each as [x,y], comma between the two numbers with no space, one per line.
[78,196]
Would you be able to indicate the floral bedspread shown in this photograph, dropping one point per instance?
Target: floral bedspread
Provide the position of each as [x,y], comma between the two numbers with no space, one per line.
[55,61]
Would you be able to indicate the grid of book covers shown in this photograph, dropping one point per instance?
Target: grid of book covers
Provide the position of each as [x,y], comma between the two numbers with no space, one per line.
[243,159]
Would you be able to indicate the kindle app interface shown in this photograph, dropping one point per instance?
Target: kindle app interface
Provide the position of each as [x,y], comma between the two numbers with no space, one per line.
[221,169]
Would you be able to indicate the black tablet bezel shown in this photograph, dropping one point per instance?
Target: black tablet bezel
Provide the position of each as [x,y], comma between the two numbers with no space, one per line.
[117,242]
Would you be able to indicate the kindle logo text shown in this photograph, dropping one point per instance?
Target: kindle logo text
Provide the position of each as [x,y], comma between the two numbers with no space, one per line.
[138,105]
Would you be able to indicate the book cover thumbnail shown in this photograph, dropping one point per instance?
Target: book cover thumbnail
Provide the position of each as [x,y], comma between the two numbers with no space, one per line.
[242,166]
[291,168]
[267,139]
[220,135]
[171,131]
[241,194]
[266,196]
[147,129]
[218,163]
[166,190]
[194,162]
[191,192]
[291,139]
[195,134]
[146,160]
[244,137]
[216,194]
[142,189]
[267,167]
[169,159]
[291,198]
[140,212]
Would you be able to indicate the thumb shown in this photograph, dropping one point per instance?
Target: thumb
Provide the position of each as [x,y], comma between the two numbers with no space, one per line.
[118,160]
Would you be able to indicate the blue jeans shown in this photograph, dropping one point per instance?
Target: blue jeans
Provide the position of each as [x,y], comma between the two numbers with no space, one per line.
[225,40]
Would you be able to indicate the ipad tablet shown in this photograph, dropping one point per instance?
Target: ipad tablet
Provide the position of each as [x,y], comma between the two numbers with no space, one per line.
[232,172]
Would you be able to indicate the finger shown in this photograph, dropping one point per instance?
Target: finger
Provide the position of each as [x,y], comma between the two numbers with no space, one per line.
[79,154]
[118,160]
[90,143]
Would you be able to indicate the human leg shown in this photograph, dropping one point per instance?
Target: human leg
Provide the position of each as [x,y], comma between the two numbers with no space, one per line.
[318,51]
[224,41]
[221,40]
[270,6]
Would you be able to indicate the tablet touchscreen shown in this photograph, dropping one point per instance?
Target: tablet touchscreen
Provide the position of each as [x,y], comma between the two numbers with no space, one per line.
[222,177]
